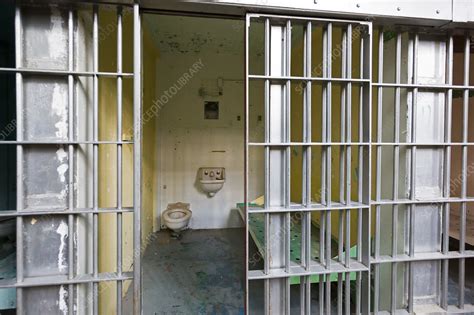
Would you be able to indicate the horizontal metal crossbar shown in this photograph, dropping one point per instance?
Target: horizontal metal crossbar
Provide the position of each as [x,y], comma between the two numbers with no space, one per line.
[296,78]
[362,144]
[423,144]
[309,208]
[62,211]
[424,86]
[56,280]
[434,201]
[314,269]
[289,144]
[66,72]
[12,142]
[422,257]
[303,19]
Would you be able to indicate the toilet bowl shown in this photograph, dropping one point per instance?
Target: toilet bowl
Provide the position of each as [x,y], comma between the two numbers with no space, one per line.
[176,216]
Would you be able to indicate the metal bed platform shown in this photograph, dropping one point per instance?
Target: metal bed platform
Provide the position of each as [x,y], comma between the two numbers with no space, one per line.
[257,232]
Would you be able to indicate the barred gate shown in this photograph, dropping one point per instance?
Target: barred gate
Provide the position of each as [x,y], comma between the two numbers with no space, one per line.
[57,145]
[368,222]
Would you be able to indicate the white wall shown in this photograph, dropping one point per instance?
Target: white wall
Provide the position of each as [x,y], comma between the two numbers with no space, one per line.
[187,141]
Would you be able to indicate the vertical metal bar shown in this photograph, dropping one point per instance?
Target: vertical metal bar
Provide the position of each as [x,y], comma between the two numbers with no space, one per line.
[462,232]
[348,167]
[287,70]
[349,140]
[278,171]
[267,136]
[378,178]
[321,294]
[246,163]
[367,174]
[267,161]
[324,173]
[306,242]
[447,171]
[396,167]
[412,207]
[323,152]
[70,160]
[19,159]
[342,162]
[137,162]
[328,165]
[119,158]
[361,171]
[95,179]
[302,295]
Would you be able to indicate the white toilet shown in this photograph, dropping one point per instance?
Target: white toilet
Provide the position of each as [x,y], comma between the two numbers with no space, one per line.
[176,216]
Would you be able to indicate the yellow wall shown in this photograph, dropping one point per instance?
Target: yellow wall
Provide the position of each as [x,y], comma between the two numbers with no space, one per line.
[456,153]
[297,118]
[107,153]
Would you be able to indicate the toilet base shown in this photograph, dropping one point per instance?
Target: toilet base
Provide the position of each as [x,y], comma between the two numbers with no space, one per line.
[177,235]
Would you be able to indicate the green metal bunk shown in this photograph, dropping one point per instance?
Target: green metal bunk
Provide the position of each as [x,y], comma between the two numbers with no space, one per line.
[257,232]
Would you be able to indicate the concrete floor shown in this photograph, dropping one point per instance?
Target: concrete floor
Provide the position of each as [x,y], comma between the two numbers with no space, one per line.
[203,273]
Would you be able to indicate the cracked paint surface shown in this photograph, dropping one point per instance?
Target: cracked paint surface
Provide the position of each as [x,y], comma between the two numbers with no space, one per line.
[63,295]
[62,230]
[59,108]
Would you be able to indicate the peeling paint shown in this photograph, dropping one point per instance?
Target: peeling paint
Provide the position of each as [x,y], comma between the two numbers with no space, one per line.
[62,169]
[62,230]
[59,108]
[61,154]
[63,295]
[56,35]
[63,193]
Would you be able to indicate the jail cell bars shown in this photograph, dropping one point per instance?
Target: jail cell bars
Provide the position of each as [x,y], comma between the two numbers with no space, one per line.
[57,160]
[416,171]
[287,217]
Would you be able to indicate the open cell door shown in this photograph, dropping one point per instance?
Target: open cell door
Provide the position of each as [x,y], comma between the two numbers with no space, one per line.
[308,113]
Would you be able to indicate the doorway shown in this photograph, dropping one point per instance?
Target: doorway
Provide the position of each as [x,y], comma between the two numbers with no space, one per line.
[198,108]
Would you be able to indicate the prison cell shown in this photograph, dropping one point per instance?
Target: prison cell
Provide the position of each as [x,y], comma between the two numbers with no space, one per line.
[375,153]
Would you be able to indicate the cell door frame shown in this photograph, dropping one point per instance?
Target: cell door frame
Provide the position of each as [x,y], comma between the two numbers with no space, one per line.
[277,145]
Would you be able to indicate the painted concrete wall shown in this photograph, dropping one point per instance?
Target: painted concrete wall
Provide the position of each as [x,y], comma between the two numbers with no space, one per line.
[187,141]
[107,153]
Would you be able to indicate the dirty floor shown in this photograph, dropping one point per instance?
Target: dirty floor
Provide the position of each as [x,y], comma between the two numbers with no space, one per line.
[200,274]
[203,274]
